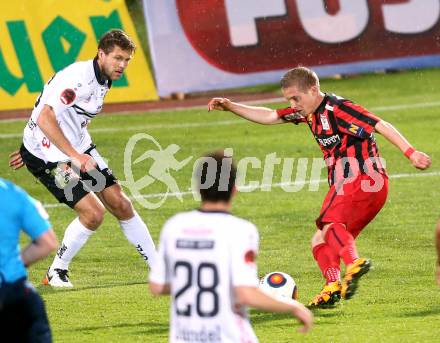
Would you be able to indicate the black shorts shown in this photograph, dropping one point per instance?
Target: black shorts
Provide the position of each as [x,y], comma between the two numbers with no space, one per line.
[23,316]
[65,182]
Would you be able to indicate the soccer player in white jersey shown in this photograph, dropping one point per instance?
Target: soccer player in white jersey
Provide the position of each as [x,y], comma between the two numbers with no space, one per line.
[58,150]
[207,263]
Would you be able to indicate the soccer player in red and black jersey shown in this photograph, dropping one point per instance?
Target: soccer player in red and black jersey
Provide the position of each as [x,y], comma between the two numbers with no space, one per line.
[358,181]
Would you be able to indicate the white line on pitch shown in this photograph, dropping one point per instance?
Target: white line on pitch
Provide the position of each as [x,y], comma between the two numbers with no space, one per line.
[226,122]
[278,184]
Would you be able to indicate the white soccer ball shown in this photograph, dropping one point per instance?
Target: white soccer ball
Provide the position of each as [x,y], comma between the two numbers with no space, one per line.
[279,285]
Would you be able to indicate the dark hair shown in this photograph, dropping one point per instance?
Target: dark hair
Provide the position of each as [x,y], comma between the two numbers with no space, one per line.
[215,177]
[301,77]
[116,37]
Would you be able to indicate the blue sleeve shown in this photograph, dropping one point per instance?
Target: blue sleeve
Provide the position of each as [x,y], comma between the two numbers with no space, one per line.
[35,220]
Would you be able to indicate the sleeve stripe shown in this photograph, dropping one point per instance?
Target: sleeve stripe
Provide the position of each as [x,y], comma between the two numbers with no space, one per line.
[358,115]
[81,111]
[343,123]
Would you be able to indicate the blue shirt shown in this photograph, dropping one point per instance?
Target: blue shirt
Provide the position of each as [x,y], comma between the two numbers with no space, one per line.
[18,211]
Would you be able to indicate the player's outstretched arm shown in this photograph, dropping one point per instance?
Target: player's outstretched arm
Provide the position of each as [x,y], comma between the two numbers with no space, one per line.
[261,115]
[419,159]
[39,248]
[254,297]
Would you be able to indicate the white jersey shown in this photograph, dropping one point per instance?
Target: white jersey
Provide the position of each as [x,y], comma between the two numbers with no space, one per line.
[203,256]
[76,94]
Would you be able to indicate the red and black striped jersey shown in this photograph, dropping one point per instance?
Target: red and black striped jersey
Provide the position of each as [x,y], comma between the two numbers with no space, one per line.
[344,132]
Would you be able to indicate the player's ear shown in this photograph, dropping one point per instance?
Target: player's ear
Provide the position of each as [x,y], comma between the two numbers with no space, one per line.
[101,53]
[314,90]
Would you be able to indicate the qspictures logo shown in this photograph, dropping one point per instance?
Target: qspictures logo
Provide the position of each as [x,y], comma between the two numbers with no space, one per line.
[163,161]
[164,167]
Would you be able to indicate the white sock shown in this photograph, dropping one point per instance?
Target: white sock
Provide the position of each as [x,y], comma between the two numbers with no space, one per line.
[137,234]
[75,236]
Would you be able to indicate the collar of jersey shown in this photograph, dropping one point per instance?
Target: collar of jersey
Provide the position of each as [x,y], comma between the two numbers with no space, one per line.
[213,211]
[321,106]
[99,77]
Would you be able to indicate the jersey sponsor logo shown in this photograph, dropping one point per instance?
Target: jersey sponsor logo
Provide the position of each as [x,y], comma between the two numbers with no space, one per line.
[67,96]
[324,122]
[250,256]
[356,130]
[194,244]
[325,142]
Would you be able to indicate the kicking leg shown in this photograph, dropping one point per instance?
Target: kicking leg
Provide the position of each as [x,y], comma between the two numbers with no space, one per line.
[132,225]
[328,263]
[342,243]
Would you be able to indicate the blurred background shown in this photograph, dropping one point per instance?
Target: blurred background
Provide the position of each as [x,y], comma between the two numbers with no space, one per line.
[189,47]
[383,54]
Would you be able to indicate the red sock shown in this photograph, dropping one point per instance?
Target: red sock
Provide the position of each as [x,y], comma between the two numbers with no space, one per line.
[341,242]
[327,261]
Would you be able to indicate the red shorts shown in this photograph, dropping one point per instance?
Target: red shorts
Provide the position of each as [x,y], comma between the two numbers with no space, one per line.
[354,204]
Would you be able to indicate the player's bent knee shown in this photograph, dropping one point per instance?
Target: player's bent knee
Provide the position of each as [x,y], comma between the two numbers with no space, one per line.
[317,239]
[122,209]
[92,217]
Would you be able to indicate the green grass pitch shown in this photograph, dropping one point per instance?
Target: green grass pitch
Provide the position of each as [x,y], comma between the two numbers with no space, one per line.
[398,301]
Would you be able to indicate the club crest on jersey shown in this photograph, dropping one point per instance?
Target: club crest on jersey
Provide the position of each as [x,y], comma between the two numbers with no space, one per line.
[356,130]
[250,256]
[67,96]
[324,122]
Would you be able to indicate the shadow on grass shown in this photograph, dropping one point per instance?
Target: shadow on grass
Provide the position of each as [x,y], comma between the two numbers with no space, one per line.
[42,289]
[262,317]
[327,313]
[434,310]
[147,328]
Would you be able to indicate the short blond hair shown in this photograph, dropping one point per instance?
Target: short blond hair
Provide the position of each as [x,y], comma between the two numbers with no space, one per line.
[301,77]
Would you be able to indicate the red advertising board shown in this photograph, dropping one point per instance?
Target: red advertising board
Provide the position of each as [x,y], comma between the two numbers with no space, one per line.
[298,31]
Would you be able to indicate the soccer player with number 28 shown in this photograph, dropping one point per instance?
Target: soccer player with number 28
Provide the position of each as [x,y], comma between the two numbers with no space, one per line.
[357,178]
[207,262]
